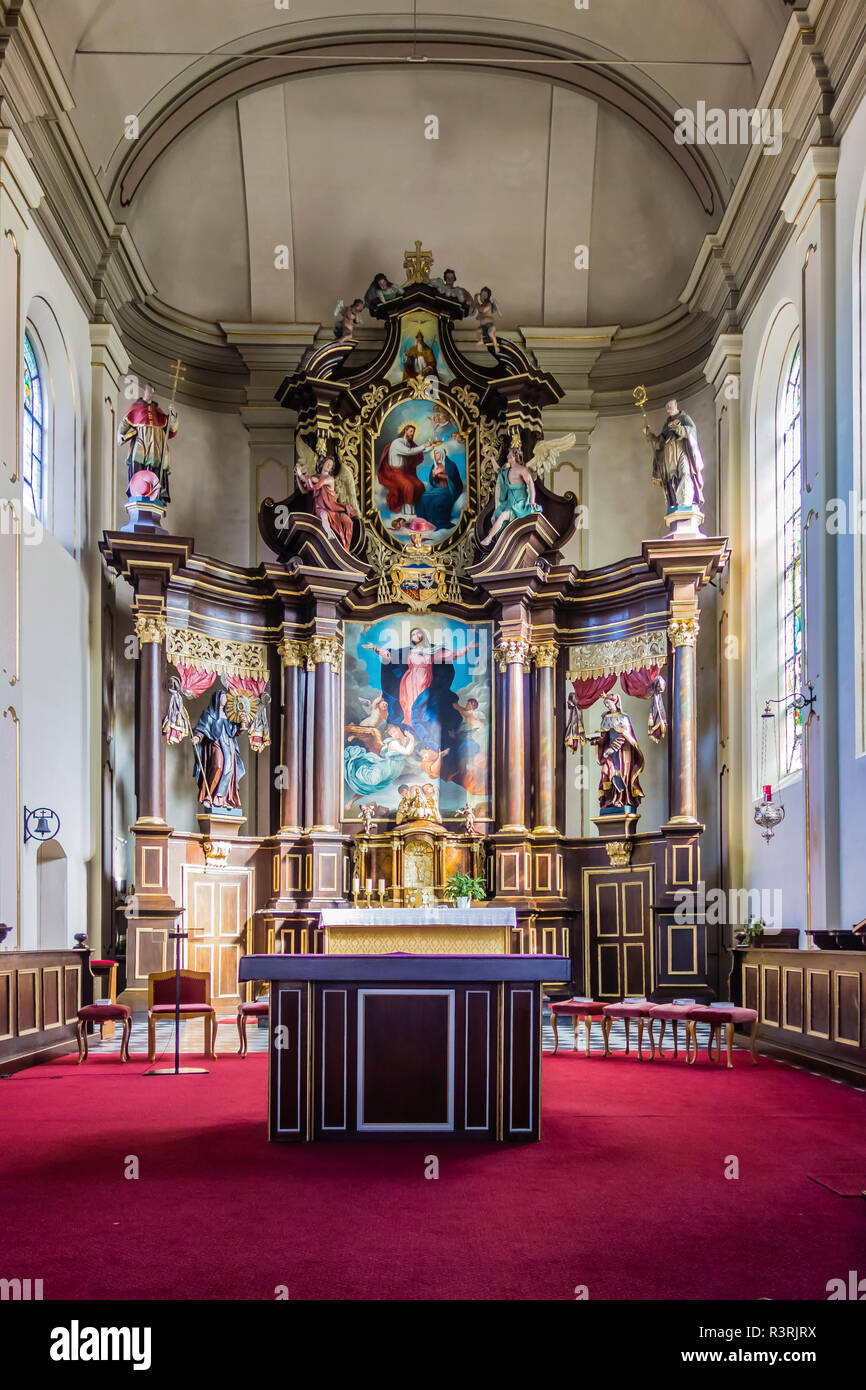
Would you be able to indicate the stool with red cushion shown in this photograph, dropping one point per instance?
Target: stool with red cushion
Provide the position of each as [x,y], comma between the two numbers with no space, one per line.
[103,1013]
[676,1012]
[106,970]
[195,1002]
[575,1009]
[720,1016]
[639,1009]
[258,1008]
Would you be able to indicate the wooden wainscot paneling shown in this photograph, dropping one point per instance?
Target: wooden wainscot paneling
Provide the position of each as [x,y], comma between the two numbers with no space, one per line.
[792,999]
[509,870]
[52,996]
[40,995]
[818,1003]
[334,1079]
[810,1004]
[771,992]
[847,1024]
[6,1005]
[480,1060]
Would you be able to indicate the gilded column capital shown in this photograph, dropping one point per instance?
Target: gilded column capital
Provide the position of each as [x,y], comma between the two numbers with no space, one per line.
[683,632]
[544,653]
[150,627]
[291,652]
[325,649]
[513,652]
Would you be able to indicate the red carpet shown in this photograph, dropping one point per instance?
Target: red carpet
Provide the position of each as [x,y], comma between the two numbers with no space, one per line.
[626,1193]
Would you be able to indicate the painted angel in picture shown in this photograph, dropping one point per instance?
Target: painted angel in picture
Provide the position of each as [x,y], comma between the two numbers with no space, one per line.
[334,498]
[515,493]
[347,316]
[486,310]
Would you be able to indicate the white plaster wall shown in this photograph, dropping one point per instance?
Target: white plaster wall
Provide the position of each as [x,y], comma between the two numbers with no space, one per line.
[850,201]
[210,484]
[52,697]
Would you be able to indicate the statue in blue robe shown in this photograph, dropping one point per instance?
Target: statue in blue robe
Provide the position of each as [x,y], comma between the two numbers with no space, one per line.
[219,760]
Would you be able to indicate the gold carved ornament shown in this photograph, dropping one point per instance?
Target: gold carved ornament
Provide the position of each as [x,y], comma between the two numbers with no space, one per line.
[619,853]
[644,650]
[544,653]
[512,652]
[417,265]
[150,627]
[291,653]
[325,651]
[683,632]
[223,656]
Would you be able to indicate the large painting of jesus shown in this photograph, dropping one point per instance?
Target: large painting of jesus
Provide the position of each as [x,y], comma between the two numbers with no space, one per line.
[419,462]
[417,711]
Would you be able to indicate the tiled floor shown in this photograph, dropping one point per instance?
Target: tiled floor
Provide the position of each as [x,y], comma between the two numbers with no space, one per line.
[192,1037]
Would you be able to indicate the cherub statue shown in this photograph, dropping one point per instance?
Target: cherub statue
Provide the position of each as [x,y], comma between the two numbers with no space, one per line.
[515,493]
[367,811]
[448,285]
[380,290]
[486,309]
[348,316]
[467,813]
[334,497]
[431,797]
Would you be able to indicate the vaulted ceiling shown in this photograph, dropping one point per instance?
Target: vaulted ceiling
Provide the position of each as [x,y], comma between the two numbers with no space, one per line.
[306,126]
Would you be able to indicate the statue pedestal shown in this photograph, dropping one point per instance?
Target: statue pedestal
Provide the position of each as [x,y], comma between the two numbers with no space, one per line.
[620,826]
[219,827]
[145,516]
[685,522]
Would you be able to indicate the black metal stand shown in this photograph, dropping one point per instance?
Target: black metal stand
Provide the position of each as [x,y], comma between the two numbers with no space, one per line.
[177,936]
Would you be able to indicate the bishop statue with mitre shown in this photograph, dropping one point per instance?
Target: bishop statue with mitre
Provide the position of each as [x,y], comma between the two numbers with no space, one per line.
[147,429]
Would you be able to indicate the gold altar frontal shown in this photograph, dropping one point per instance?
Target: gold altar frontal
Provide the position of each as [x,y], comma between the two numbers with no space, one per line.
[380,931]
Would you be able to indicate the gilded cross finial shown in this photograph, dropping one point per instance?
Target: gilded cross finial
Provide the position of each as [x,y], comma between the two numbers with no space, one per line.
[179,375]
[417,265]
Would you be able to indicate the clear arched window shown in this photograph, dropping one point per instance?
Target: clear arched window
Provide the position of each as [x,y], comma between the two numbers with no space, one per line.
[790,485]
[33,440]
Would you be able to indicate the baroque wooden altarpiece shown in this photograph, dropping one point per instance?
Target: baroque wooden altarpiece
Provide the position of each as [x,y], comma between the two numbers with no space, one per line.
[303,626]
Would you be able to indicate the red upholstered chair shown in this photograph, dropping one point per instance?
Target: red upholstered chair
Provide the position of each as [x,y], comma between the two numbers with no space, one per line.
[257,1008]
[106,970]
[627,1010]
[678,1011]
[103,1013]
[194,1003]
[575,1009]
[720,1016]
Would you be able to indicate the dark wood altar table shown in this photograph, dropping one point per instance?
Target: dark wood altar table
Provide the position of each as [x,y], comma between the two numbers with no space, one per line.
[369,1047]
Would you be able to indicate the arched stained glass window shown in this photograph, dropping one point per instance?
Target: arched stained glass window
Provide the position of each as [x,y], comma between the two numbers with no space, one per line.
[791,579]
[33,432]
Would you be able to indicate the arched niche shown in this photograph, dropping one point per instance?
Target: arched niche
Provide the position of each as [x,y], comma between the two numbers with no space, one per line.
[51,896]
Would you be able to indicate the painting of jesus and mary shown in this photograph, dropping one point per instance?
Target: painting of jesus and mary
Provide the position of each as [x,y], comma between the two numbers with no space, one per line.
[420,472]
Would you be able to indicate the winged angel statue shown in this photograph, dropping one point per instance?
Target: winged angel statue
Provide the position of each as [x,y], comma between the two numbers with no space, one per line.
[515,482]
[335,499]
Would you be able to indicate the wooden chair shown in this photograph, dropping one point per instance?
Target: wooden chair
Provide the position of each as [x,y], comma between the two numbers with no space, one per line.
[106,970]
[195,1002]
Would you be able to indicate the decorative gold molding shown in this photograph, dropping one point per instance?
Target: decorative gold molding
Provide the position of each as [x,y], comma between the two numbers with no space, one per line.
[292,653]
[150,627]
[619,852]
[683,632]
[220,654]
[635,653]
[325,649]
[544,653]
[512,652]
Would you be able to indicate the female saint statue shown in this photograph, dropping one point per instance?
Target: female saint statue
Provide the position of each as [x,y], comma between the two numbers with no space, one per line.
[619,758]
[515,494]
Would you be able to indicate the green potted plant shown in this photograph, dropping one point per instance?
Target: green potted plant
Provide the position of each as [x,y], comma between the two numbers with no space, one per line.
[751,933]
[460,889]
